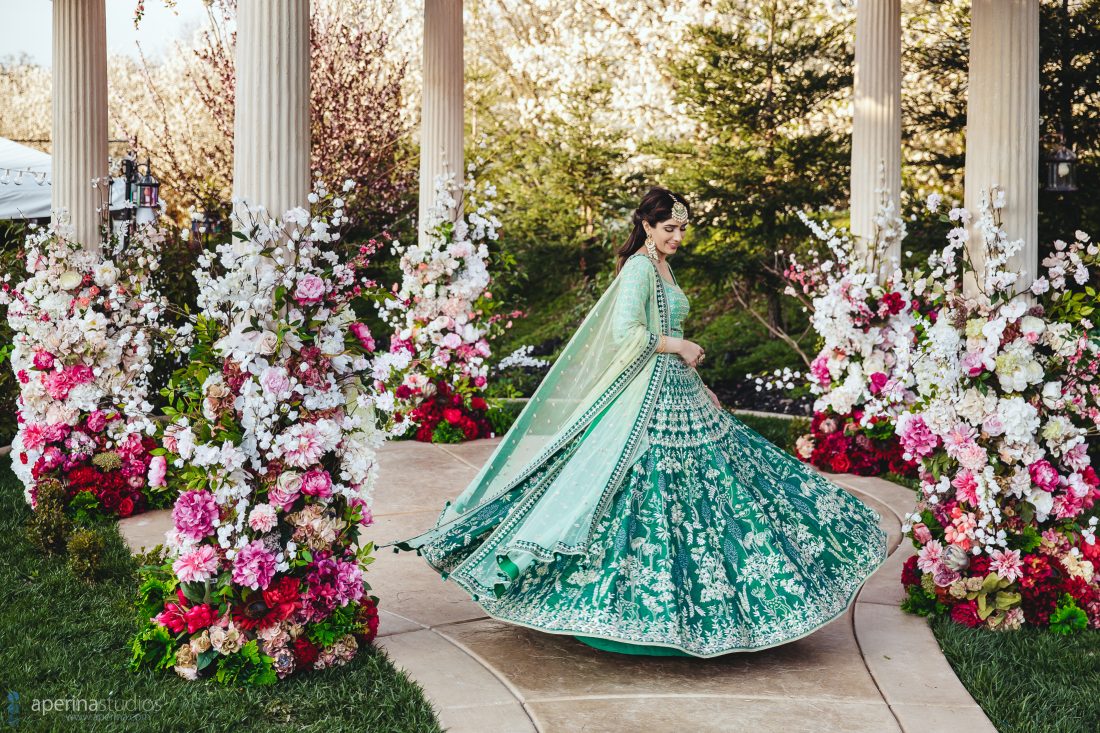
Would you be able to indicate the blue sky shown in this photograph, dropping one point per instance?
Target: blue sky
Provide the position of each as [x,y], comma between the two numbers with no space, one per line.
[25,27]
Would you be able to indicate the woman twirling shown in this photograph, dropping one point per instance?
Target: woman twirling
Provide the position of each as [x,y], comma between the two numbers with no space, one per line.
[627,508]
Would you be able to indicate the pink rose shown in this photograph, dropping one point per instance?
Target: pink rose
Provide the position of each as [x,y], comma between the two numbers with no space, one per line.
[318,483]
[452,340]
[310,289]
[878,381]
[158,469]
[286,490]
[921,533]
[43,360]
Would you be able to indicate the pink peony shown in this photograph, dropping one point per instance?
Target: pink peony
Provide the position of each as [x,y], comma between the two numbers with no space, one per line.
[921,533]
[310,289]
[1043,475]
[819,369]
[34,436]
[878,381]
[254,566]
[96,421]
[917,439]
[43,360]
[318,483]
[275,381]
[1007,564]
[194,514]
[197,566]
[361,332]
[972,363]
[158,469]
[262,518]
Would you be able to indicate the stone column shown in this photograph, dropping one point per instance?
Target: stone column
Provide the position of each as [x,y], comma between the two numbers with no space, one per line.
[79,149]
[876,120]
[441,125]
[1002,125]
[271,121]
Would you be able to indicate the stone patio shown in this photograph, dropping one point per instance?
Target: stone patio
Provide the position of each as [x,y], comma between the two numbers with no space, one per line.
[875,669]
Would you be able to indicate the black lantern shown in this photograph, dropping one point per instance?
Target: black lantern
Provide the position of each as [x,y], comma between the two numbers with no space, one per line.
[1061,167]
[147,190]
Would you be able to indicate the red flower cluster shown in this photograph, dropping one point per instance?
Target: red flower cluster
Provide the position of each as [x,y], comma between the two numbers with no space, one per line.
[842,445]
[450,406]
[82,458]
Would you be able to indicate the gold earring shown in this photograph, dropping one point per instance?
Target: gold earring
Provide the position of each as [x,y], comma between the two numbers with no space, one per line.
[651,248]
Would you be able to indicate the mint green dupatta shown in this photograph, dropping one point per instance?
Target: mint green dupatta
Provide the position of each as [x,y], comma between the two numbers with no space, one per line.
[558,466]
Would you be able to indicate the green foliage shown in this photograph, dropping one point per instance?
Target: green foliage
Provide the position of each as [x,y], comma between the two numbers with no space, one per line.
[341,623]
[1068,618]
[501,415]
[246,667]
[48,525]
[444,432]
[921,603]
[86,547]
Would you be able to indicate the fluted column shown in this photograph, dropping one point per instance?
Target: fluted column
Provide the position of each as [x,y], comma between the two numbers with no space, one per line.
[876,121]
[79,149]
[1002,124]
[441,125]
[271,120]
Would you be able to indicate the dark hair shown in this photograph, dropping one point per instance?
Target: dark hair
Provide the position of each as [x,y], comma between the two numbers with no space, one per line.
[656,206]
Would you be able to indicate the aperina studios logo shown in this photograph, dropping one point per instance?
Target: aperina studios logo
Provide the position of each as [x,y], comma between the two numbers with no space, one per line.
[78,708]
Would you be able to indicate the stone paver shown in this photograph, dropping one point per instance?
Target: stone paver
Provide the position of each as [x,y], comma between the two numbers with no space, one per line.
[873,669]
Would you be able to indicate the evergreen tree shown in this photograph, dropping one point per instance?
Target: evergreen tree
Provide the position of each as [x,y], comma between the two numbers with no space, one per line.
[764,85]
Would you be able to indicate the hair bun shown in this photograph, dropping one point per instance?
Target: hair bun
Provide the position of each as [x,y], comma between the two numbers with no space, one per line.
[636,217]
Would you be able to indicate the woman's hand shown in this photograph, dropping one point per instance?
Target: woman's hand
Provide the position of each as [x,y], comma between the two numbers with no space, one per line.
[713,397]
[690,352]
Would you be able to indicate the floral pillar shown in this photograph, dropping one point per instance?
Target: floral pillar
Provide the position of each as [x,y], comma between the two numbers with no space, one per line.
[876,122]
[441,127]
[79,114]
[1002,124]
[271,123]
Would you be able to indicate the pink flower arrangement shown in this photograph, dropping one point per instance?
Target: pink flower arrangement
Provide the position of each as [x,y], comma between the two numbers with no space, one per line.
[199,565]
[254,566]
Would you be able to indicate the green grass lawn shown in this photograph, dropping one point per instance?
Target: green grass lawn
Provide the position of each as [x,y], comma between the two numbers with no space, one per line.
[1028,681]
[64,639]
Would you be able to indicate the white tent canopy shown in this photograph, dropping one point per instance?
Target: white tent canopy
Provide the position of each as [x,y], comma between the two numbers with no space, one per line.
[25,178]
[24,181]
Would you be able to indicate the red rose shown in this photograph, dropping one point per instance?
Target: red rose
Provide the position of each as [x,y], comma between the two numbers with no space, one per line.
[424,433]
[910,574]
[469,428]
[285,590]
[402,392]
[477,403]
[452,415]
[126,507]
[966,613]
[840,463]
[305,653]
[979,566]
[456,400]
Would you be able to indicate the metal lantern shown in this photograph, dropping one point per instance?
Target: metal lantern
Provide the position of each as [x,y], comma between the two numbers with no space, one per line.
[148,190]
[1061,168]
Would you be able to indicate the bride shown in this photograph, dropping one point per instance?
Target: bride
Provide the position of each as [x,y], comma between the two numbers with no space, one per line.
[627,508]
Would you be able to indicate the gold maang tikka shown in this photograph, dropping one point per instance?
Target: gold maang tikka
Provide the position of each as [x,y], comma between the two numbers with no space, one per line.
[679,211]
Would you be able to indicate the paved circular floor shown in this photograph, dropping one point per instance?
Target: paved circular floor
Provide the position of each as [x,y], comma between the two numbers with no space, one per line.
[873,669]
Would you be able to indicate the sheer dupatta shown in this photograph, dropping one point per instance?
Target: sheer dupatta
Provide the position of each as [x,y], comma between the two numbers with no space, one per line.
[571,445]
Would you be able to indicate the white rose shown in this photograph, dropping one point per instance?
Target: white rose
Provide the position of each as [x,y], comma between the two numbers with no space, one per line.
[105,274]
[267,342]
[1052,393]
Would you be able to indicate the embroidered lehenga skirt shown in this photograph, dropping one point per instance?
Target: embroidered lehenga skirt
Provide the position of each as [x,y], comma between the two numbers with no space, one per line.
[716,541]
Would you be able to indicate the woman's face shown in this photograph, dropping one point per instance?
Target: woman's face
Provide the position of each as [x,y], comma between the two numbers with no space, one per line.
[668,235]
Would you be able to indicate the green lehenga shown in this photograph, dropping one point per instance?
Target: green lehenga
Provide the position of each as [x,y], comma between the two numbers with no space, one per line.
[706,539]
